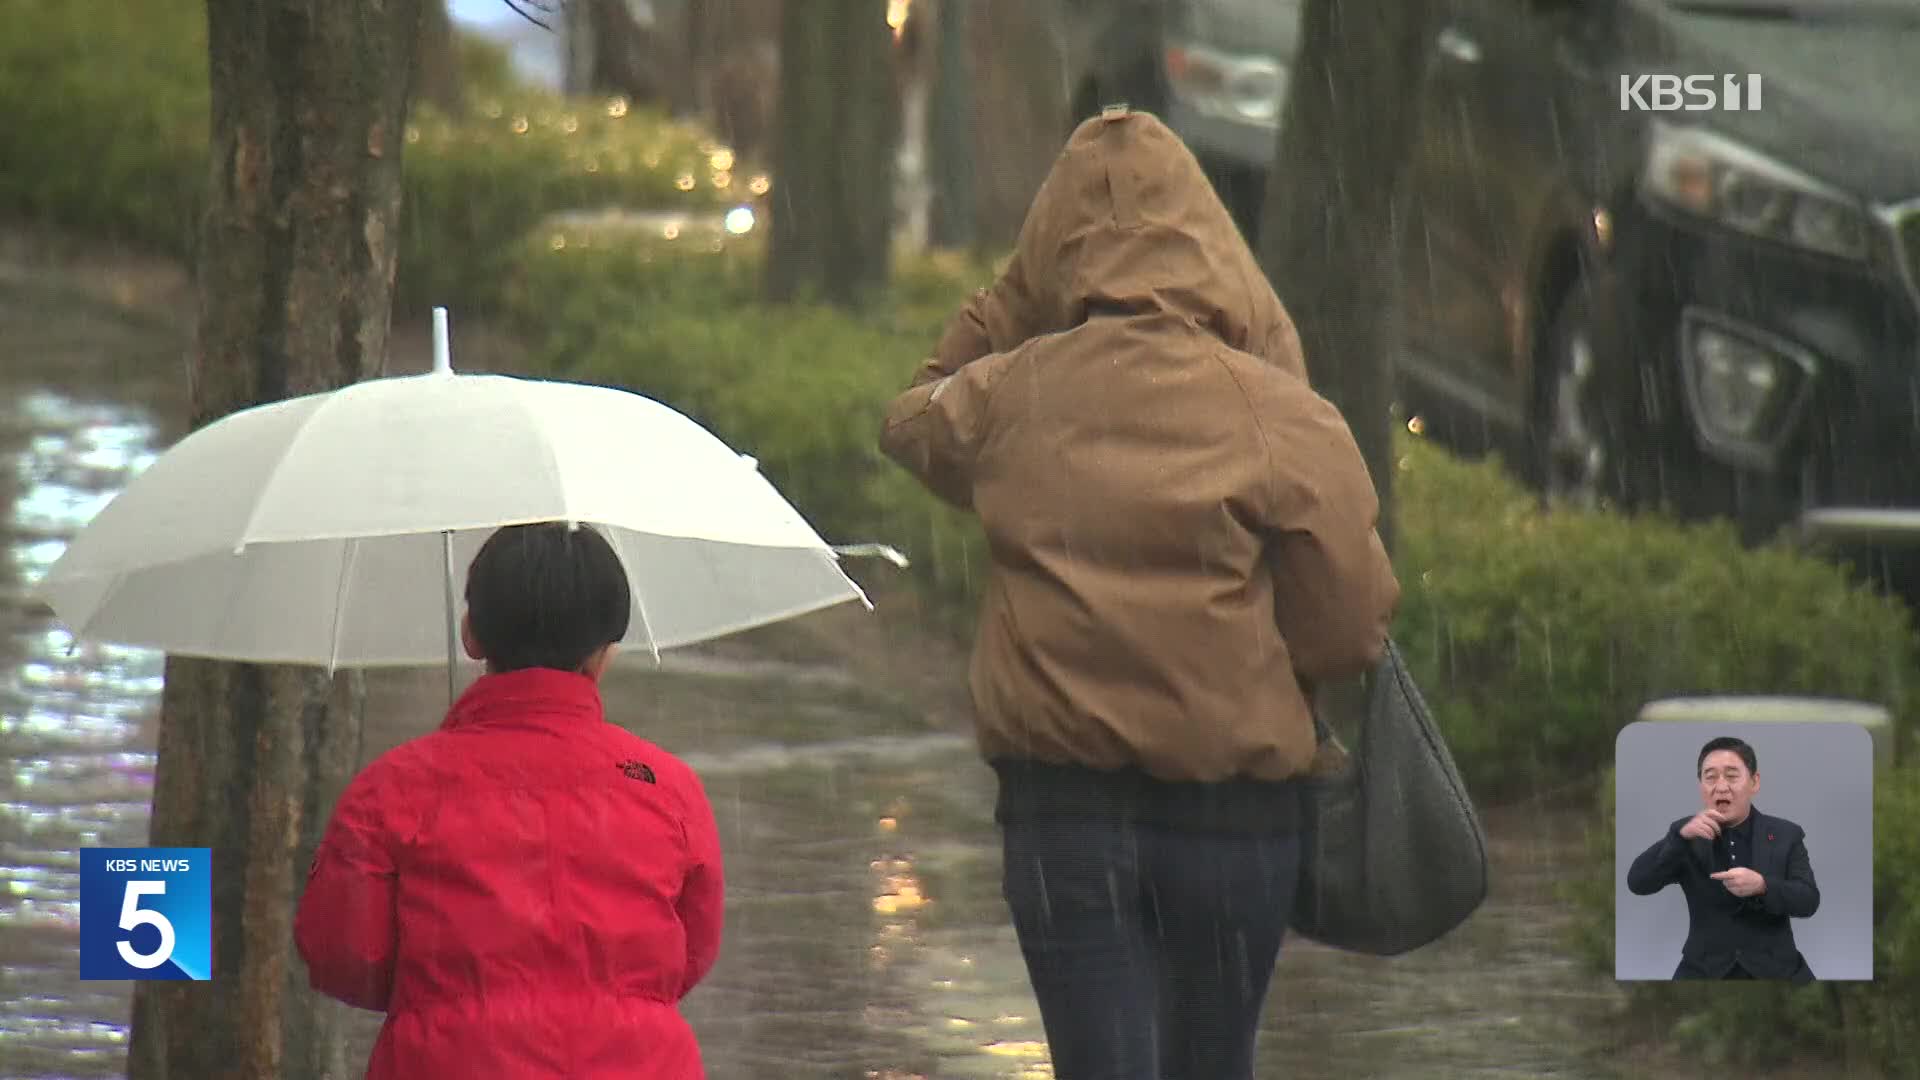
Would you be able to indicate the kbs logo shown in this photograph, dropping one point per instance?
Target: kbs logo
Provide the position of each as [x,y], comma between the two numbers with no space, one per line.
[146,913]
[1689,93]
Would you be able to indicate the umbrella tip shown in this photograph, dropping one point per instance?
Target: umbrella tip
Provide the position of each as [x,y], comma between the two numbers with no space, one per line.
[872,551]
[442,348]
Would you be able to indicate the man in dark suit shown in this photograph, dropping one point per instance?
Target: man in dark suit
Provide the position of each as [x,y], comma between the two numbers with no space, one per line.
[1745,875]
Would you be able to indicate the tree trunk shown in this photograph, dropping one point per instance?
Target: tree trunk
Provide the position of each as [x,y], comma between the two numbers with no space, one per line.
[1328,237]
[836,133]
[438,70]
[616,55]
[913,186]
[309,105]
[693,95]
[951,142]
[576,36]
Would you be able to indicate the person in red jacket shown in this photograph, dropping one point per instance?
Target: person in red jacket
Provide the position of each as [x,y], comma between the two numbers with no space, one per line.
[528,891]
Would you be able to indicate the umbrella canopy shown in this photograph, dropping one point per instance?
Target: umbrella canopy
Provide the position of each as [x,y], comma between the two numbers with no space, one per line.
[325,529]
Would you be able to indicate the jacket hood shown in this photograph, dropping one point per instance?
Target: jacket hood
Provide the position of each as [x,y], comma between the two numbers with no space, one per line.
[1127,223]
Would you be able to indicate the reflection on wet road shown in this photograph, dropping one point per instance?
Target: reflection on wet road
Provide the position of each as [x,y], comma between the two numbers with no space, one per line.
[75,727]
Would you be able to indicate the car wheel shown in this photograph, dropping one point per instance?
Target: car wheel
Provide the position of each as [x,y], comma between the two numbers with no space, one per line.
[1579,455]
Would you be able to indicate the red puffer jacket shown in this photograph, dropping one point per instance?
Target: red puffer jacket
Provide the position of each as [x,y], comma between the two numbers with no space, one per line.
[527,892]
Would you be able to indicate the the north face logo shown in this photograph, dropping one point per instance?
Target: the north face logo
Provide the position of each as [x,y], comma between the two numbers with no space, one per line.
[638,770]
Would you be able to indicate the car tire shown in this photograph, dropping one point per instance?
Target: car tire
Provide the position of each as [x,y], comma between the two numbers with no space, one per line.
[1580,450]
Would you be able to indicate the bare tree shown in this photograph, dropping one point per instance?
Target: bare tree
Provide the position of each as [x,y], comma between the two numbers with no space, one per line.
[438,79]
[309,105]
[951,138]
[1328,237]
[610,51]
[696,23]
[836,133]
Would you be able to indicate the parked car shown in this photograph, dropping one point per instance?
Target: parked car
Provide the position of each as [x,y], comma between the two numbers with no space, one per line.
[1715,310]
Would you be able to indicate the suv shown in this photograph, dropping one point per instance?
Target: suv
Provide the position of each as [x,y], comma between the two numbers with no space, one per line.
[1714,308]
[1214,70]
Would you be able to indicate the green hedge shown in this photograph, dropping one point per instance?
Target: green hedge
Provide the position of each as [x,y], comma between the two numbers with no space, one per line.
[476,187]
[106,109]
[1767,1024]
[1539,635]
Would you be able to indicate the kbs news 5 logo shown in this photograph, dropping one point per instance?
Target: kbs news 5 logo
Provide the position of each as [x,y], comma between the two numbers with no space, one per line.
[146,913]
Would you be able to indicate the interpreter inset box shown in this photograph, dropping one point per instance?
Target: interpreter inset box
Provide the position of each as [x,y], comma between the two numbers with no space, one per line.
[1743,850]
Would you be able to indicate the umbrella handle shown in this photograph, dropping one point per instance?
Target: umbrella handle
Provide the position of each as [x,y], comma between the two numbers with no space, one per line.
[443,365]
[453,632]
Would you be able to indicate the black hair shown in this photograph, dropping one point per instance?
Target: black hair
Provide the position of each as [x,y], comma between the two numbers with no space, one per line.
[546,595]
[1728,742]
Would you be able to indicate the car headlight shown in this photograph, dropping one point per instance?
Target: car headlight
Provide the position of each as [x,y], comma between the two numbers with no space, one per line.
[1717,178]
[1736,381]
[1744,383]
[1246,88]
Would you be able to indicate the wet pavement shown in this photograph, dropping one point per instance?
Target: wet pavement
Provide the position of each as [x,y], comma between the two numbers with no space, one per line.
[865,936]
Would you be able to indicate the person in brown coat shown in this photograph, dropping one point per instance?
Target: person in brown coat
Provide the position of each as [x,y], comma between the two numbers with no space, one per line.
[1183,543]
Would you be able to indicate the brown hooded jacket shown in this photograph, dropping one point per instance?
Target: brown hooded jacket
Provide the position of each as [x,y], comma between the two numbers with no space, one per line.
[1181,530]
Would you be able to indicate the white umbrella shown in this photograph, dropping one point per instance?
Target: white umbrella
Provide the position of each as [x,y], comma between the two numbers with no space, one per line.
[326,529]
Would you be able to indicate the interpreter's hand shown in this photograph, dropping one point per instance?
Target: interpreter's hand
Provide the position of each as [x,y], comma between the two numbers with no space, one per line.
[1741,881]
[1705,825]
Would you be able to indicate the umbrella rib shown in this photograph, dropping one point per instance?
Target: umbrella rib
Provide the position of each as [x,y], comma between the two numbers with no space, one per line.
[306,425]
[646,627]
[340,604]
[535,422]
[639,596]
[106,597]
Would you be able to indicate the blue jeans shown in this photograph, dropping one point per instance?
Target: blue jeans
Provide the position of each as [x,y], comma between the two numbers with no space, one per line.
[1149,948]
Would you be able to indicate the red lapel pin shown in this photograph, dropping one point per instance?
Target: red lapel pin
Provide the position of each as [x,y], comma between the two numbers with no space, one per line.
[1769,836]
